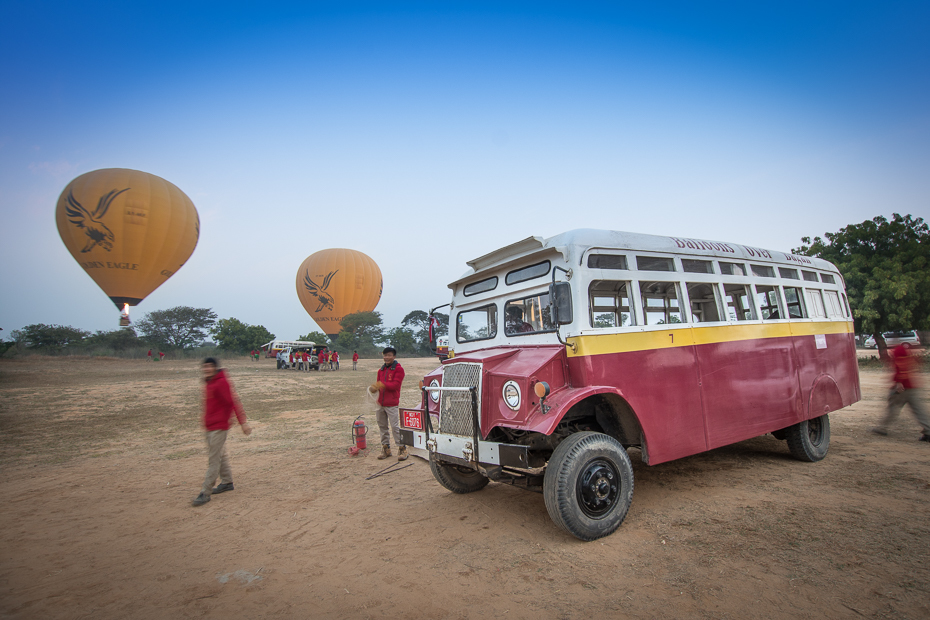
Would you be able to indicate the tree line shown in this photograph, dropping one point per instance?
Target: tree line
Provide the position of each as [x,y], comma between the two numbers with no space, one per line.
[185,329]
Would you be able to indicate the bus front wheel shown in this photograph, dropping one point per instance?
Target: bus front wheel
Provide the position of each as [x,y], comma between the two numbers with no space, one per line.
[809,440]
[456,478]
[588,485]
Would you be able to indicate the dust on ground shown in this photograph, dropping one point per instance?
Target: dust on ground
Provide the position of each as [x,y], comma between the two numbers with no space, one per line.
[101,458]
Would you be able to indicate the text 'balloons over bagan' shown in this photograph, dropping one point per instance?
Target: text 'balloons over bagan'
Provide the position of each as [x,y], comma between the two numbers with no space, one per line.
[129,230]
[336,282]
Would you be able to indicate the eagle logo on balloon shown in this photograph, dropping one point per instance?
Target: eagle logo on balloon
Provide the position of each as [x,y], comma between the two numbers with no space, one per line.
[96,231]
[326,300]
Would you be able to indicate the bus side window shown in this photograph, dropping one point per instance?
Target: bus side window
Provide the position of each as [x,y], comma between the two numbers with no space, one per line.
[739,303]
[767,296]
[815,303]
[661,303]
[795,307]
[610,304]
[704,306]
[833,305]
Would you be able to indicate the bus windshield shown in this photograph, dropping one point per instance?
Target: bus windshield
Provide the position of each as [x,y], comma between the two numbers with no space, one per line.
[477,324]
[528,315]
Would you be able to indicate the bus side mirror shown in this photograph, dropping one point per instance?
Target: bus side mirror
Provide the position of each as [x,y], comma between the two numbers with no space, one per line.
[560,303]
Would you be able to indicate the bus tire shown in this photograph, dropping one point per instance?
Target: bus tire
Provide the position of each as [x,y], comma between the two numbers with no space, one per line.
[809,440]
[588,485]
[456,478]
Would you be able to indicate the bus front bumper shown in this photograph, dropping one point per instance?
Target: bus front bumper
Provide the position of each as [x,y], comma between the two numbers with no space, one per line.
[458,449]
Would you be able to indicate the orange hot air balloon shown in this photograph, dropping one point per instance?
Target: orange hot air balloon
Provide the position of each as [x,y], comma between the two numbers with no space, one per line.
[336,282]
[129,230]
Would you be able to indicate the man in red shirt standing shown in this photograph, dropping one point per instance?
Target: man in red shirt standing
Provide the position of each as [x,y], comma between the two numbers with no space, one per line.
[390,378]
[354,360]
[335,363]
[219,404]
[904,391]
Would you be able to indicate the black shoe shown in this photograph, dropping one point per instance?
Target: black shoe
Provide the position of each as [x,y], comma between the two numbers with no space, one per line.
[226,486]
[924,437]
[200,500]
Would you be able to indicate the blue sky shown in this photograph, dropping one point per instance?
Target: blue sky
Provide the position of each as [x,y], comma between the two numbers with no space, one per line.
[427,134]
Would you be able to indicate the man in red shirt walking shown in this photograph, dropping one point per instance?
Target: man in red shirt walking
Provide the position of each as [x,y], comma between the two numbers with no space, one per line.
[904,391]
[219,404]
[390,379]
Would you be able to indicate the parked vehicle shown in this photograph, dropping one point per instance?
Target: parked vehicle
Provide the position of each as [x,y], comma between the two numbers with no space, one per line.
[272,348]
[893,339]
[572,351]
[442,347]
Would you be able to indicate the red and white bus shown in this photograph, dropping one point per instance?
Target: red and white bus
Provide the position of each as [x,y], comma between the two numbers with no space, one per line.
[569,351]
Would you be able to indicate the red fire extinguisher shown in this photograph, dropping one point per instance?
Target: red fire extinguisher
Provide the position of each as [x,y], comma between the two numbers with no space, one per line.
[359,430]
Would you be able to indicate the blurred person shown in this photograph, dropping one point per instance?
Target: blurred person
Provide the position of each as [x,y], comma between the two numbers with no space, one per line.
[219,404]
[904,391]
[390,379]
[335,363]
[354,360]
[324,359]
[307,361]
[150,355]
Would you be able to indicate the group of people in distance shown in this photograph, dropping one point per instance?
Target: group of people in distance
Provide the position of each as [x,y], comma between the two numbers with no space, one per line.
[301,359]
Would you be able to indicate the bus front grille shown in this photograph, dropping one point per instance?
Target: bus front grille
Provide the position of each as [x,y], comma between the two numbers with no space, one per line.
[455,415]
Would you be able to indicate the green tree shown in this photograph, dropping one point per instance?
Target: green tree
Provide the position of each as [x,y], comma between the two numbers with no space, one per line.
[233,335]
[181,327]
[365,330]
[417,322]
[49,337]
[886,266]
[404,340]
[119,339]
[315,337]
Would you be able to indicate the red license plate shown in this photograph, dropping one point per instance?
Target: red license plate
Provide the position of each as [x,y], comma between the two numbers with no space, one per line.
[412,419]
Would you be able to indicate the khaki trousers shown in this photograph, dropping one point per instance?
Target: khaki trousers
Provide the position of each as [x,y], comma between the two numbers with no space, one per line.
[218,461]
[896,402]
[389,423]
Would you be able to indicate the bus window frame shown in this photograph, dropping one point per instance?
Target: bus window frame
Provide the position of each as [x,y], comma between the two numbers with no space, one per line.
[778,300]
[810,293]
[801,304]
[751,306]
[591,294]
[490,337]
[534,332]
[643,305]
[715,289]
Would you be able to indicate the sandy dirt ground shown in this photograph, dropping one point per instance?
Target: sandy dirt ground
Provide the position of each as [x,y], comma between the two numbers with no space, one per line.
[101,459]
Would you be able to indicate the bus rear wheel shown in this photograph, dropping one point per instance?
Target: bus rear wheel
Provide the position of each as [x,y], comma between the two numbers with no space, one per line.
[456,478]
[809,440]
[588,485]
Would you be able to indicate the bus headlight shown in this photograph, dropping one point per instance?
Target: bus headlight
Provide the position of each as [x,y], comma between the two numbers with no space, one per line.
[511,393]
[434,394]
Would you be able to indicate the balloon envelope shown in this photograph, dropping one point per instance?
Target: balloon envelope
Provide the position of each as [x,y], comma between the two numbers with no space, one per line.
[129,230]
[336,282]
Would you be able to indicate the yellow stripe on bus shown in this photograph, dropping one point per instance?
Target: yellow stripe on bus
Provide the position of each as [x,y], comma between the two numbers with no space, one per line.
[601,344]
